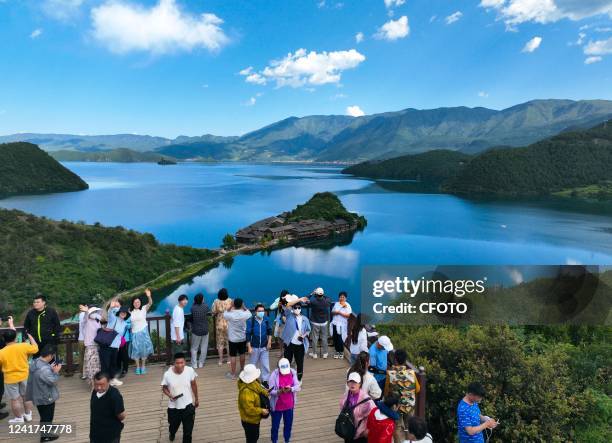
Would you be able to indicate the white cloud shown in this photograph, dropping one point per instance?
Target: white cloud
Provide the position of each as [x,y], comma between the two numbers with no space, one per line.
[339,96]
[455,16]
[124,27]
[62,10]
[250,102]
[393,29]
[359,37]
[581,37]
[599,47]
[532,44]
[483,94]
[591,60]
[515,12]
[36,33]
[354,111]
[303,68]
[433,18]
[603,29]
[394,3]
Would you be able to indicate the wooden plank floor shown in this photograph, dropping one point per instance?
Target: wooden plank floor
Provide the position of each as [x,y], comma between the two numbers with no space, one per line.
[217,418]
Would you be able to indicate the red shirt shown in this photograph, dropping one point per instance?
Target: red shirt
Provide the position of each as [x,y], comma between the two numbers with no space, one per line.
[380,429]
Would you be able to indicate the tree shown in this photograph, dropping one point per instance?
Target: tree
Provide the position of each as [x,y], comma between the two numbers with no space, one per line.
[229,242]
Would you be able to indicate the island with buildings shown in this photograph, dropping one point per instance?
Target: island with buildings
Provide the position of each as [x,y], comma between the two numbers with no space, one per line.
[323,216]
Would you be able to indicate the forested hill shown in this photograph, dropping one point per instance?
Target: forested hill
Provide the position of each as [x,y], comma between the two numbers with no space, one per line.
[565,163]
[430,168]
[71,262]
[27,169]
[576,163]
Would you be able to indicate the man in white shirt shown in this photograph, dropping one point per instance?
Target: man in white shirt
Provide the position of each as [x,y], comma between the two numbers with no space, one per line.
[177,333]
[179,385]
[236,319]
[82,317]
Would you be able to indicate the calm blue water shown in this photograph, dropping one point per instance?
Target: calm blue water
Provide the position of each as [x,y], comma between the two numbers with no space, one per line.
[196,204]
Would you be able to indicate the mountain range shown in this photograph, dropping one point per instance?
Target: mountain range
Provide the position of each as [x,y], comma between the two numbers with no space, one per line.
[339,138]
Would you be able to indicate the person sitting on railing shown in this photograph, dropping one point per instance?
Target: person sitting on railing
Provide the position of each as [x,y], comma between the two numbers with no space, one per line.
[220,305]
[259,341]
[378,359]
[141,345]
[91,363]
[341,311]
[295,333]
[236,319]
[42,322]
[14,364]
[368,382]
[402,381]
[320,307]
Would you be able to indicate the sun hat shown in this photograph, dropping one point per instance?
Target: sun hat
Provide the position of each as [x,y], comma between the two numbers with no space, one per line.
[283,366]
[385,342]
[290,298]
[354,376]
[249,374]
[319,291]
[92,310]
[124,309]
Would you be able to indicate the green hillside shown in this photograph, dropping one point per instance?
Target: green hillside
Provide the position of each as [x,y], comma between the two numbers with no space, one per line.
[325,206]
[120,155]
[70,262]
[559,165]
[27,169]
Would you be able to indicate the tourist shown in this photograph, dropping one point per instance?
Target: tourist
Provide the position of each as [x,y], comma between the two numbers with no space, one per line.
[250,393]
[284,385]
[368,382]
[81,339]
[199,331]
[117,321]
[279,321]
[42,388]
[180,386]
[417,430]
[357,338]
[107,412]
[123,356]
[378,359]
[222,304]
[357,401]
[320,307]
[402,381]
[236,319]
[177,327]
[91,364]
[470,421]
[259,341]
[341,311]
[14,363]
[3,415]
[382,418]
[141,345]
[295,333]
[42,323]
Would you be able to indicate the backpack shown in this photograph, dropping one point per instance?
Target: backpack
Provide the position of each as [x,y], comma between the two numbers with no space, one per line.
[345,423]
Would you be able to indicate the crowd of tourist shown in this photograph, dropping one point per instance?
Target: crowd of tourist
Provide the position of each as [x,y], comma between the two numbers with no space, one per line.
[381,386]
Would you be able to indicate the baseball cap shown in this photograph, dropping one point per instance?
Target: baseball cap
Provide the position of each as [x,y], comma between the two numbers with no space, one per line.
[284,366]
[385,342]
[354,376]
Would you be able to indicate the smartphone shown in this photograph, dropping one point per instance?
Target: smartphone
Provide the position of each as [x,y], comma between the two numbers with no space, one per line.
[177,397]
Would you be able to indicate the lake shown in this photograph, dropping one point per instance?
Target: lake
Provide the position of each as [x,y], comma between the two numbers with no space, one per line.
[196,204]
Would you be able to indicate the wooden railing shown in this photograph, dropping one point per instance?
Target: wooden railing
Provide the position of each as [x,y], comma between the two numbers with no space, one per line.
[159,330]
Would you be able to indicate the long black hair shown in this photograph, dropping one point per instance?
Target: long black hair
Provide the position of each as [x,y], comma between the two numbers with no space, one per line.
[222,294]
[361,364]
[354,326]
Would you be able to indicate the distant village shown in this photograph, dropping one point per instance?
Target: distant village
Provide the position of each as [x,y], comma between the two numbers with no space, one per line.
[278,228]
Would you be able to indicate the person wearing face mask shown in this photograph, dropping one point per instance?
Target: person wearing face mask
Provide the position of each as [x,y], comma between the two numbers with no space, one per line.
[470,421]
[295,333]
[259,342]
[320,308]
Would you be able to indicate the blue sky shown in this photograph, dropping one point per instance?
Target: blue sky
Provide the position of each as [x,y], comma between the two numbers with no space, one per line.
[172,67]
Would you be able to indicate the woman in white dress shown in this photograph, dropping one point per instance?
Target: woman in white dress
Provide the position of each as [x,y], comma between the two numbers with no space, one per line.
[141,345]
[341,311]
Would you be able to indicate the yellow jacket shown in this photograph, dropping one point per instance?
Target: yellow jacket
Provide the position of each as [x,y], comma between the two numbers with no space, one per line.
[14,361]
[249,404]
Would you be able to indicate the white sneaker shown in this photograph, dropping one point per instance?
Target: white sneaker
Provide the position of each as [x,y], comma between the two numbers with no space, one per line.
[336,355]
[324,355]
[201,365]
[311,355]
[116,382]
[315,356]
[28,417]
[340,356]
[16,420]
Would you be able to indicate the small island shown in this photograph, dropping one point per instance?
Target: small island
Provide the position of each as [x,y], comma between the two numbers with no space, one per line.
[166,161]
[321,217]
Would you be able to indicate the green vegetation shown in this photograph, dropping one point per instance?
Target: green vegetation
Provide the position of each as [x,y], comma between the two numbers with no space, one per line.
[229,242]
[71,261]
[545,384]
[430,169]
[120,155]
[325,206]
[27,169]
[601,191]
